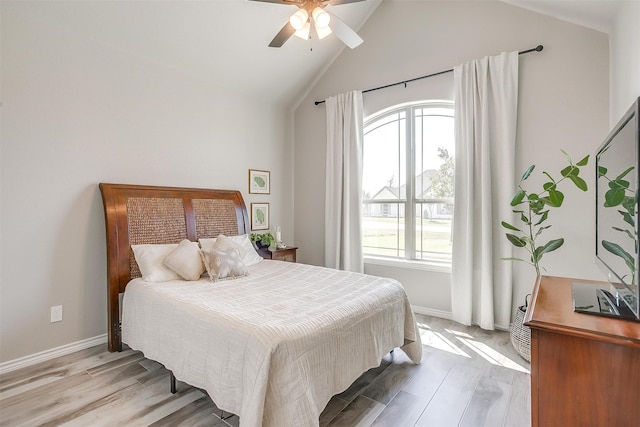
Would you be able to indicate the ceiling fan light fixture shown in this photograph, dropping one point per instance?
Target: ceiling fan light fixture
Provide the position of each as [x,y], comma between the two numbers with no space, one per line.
[299,19]
[312,13]
[321,18]
[303,32]
[322,32]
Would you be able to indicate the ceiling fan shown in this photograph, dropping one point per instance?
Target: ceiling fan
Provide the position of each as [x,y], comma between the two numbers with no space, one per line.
[312,13]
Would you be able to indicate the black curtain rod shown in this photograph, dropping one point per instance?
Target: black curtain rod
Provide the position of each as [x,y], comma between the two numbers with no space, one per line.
[404,82]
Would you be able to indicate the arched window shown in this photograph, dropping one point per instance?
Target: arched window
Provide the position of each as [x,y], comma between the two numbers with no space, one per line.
[408,171]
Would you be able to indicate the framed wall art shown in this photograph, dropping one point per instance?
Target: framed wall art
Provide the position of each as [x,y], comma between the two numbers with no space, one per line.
[259,182]
[259,216]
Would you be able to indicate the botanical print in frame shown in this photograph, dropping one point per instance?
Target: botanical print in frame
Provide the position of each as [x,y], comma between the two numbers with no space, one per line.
[259,181]
[259,216]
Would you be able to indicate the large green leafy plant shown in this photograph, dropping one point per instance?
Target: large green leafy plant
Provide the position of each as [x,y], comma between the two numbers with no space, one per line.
[533,209]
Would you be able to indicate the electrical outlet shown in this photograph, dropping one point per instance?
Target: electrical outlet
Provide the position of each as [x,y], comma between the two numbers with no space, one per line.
[56,313]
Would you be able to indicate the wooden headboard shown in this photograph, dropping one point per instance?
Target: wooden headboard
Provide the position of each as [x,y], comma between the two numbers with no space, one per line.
[136,214]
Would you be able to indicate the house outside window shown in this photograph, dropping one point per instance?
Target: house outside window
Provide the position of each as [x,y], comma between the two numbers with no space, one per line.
[408,173]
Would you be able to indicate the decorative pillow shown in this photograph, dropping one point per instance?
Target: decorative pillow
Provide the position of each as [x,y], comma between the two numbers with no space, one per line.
[250,256]
[224,242]
[150,261]
[207,243]
[223,263]
[186,260]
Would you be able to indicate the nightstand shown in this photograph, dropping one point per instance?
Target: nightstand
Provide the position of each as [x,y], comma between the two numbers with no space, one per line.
[286,254]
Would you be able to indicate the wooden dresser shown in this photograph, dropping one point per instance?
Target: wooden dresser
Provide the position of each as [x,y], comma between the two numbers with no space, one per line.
[585,369]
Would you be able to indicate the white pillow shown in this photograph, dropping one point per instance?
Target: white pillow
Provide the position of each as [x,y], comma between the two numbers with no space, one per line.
[186,260]
[223,263]
[150,261]
[250,257]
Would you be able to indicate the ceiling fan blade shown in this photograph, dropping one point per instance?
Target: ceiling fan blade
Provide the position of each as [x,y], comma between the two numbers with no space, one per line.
[344,32]
[283,35]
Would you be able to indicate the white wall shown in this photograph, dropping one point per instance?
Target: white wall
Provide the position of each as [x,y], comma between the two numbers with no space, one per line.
[563,103]
[76,113]
[625,59]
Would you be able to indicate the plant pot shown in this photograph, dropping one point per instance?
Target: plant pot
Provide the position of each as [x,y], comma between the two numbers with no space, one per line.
[521,334]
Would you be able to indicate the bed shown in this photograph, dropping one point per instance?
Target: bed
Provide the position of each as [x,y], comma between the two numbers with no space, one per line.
[272,346]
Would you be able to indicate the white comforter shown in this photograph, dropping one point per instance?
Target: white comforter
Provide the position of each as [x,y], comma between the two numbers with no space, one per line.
[274,346]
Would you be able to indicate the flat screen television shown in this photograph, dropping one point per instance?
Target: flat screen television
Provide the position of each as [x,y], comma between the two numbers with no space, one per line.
[618,217]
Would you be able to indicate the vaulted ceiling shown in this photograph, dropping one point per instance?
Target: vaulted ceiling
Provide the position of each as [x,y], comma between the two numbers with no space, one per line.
[596,14]
[224,43]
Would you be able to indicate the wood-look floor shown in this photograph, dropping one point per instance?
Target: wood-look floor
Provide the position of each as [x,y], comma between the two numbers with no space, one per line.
[468,377]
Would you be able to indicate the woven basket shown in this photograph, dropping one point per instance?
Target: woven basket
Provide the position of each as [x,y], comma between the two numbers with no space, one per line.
[521,334]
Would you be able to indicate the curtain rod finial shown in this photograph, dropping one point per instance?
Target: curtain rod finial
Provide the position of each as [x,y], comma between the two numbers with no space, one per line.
[539,48]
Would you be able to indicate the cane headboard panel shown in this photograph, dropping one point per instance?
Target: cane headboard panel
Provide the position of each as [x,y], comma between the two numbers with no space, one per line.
[136,214]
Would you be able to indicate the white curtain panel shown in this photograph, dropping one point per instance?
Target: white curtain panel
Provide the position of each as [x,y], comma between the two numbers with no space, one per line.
[486,99]
[343,203]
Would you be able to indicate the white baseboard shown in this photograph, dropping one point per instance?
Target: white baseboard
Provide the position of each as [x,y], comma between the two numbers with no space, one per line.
[432,312]
[43,356]
[447,315]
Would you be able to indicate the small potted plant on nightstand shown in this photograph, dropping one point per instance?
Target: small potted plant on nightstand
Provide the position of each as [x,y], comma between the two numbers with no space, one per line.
[532,210]
[263,241]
